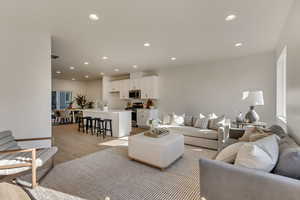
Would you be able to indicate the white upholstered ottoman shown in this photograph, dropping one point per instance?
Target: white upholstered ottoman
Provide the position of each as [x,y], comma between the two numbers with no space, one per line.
[157,152]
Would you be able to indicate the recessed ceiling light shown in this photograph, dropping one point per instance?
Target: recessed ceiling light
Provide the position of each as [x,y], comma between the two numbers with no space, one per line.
[72,68]
[173,58]
[104,58]
[86,63]
[86,76]
[102,73]
[73,79]
[93,17]
[147,44]
[58,72]
[230,17]
[135,66]
[116,70]
[239,44]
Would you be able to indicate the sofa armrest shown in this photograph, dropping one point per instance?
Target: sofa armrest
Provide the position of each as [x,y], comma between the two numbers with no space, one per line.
[222,181]
[223,137]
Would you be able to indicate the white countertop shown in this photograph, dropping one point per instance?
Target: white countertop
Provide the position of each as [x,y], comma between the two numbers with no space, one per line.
[109,111]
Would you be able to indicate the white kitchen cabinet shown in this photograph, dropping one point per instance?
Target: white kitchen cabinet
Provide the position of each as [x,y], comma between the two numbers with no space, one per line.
[149,87]
[115,86]
[124,91]
[135,84]
[143,115]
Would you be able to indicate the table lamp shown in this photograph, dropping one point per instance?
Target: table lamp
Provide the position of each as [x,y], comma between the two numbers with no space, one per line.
[253,98]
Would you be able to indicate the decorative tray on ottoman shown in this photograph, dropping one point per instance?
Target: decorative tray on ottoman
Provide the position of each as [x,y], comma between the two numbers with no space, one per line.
[157,132]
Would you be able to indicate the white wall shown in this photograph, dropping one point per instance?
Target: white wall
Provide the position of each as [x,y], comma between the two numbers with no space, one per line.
[217,87]
[291,37]
[94,91]
[25,84]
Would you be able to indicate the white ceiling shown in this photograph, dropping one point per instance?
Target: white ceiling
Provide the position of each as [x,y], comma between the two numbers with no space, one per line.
[193,31]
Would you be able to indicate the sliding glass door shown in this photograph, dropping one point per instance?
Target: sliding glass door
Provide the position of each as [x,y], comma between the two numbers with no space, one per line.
[61,99]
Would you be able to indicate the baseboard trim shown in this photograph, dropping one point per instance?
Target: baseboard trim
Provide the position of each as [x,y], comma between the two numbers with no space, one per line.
[33,139]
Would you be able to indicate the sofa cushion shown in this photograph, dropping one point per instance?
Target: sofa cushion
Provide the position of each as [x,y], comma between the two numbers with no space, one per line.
[229,154]
[42,156]
[289,159]
[260,155]
[196,132]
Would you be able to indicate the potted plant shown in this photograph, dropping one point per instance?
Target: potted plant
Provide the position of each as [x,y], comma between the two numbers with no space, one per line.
[81,101]
[149,104]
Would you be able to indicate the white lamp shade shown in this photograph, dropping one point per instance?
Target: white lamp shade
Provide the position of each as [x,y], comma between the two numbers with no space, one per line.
[254,98]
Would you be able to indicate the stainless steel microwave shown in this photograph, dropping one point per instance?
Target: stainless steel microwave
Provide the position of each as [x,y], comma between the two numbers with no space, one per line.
[135,94]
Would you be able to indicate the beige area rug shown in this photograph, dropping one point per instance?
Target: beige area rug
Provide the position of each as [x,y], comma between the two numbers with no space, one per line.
[109,173]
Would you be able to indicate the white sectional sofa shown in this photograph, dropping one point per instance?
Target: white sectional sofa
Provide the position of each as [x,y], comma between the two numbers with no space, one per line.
[207,138]
[212,138]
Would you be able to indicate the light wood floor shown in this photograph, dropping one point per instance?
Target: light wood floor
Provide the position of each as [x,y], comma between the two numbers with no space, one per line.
[72,145]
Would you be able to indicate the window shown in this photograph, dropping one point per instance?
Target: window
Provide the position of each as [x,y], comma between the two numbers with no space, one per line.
[61,99]
[281,85]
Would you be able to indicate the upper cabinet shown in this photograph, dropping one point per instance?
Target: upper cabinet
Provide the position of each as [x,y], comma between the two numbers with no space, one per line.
[149,87]
[135,84]
[147,84]
[125,87]
[115,86]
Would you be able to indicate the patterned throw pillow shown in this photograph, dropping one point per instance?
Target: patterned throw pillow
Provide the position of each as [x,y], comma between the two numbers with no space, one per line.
[215,123]
[188,120]
[201,122]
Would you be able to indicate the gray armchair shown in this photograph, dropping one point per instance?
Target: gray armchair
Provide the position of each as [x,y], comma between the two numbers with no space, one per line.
[14,161]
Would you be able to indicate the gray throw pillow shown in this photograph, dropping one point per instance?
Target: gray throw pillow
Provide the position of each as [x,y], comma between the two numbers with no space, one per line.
[188,120]
[278,130]
[201,123]
[289,159]
[214,123]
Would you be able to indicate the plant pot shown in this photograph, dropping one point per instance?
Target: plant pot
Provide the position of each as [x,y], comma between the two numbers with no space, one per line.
[105,108]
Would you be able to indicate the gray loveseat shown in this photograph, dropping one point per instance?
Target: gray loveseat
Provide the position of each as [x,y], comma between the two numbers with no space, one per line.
[223,181]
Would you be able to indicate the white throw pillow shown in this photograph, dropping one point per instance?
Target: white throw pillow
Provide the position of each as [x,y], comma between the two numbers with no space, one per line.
[167,119]
[178,119]
[260,155]
[212,116]
[229,154]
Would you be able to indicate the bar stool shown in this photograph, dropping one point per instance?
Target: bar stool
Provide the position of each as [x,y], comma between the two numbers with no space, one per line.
[99,127]
[106,122]
[82,123]
[89,125]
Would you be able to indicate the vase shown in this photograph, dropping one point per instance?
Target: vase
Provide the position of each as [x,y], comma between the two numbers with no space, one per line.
[105,108]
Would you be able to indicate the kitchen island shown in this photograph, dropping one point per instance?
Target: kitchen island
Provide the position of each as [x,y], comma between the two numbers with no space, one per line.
[121,120]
